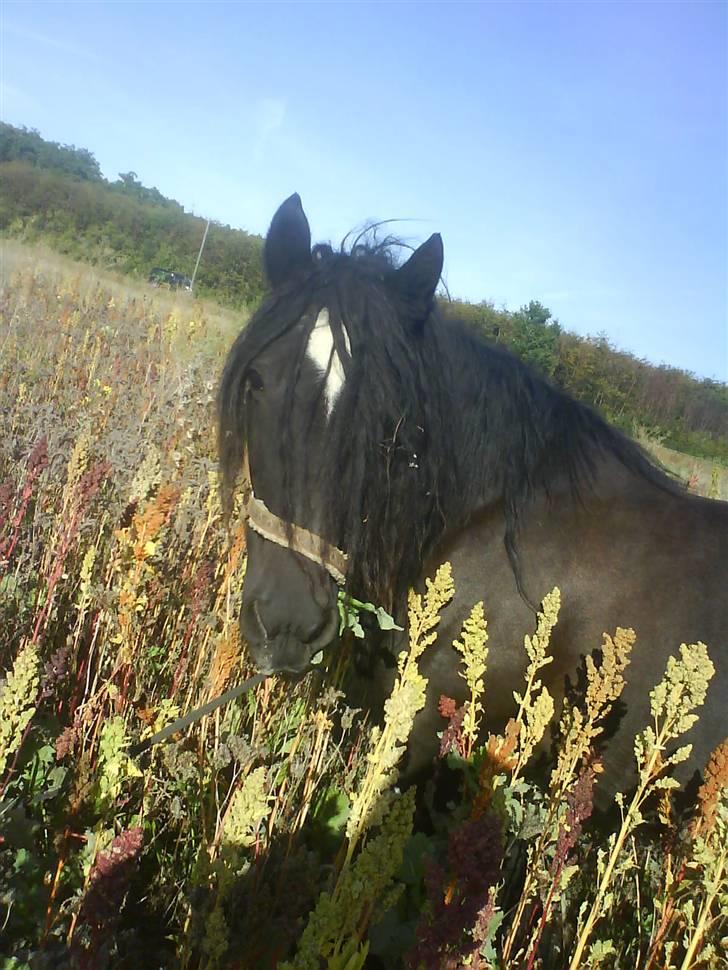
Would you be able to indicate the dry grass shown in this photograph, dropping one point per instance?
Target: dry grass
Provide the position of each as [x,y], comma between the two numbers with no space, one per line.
[702,476]
[21,261]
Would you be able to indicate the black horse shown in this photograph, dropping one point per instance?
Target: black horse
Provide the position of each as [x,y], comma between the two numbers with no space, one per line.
[383,439]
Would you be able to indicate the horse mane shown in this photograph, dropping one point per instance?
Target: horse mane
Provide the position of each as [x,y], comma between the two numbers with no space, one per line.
[433,423]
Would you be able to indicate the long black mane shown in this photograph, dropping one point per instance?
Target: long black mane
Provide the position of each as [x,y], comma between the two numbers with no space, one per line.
[433,422]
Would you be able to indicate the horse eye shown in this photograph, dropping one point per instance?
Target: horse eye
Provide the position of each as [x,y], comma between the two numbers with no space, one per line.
[255,380]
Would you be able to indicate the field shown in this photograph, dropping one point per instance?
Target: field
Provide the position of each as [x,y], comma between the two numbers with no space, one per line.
[703,477]
[272,832]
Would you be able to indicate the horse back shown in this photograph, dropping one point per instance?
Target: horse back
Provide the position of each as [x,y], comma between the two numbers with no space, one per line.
[629,554]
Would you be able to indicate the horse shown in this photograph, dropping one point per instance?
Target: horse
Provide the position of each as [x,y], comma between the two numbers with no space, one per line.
[381,438]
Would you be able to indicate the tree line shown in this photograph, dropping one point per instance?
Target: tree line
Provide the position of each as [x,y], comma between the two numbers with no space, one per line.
[689,414]
[57,193]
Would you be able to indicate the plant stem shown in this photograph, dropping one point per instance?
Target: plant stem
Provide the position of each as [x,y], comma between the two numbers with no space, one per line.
[705,912]
[624,831]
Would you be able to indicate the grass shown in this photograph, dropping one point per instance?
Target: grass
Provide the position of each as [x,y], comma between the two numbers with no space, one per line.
[271,831]
[702,476]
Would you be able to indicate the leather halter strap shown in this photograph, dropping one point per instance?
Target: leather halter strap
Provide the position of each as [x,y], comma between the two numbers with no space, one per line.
[291,536]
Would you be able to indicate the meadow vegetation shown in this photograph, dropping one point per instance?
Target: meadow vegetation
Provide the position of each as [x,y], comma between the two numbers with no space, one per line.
[273,833]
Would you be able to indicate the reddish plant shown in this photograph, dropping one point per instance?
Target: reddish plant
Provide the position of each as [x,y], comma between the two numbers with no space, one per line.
[87,487]
[452,737]
[37,464]
[580,804]
[109,881]
[458,894]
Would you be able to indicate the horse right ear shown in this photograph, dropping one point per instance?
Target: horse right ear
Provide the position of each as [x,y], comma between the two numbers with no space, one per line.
[287,249]
[416,281]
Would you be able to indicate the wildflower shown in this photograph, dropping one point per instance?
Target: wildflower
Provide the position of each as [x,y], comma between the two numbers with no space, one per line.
[340,918]
[535,711]
[474,650]
[114,765]
[17,702]
[148,474]
[55,671]
[109,878]
[452,739]
[579,729]
[387,744]
[672,703]
[249,806]
[65,742]
[715,781]
[459,895]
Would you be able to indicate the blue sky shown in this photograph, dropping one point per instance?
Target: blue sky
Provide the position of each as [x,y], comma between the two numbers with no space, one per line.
[574,153]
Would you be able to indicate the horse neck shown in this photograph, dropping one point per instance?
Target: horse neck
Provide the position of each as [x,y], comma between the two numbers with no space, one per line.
[495,435]
[511,435]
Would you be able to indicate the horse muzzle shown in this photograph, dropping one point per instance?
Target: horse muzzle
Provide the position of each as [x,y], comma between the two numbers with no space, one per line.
[287,652]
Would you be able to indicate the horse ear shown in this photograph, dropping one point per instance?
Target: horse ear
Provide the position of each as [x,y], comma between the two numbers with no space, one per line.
[288,243]
[416,281]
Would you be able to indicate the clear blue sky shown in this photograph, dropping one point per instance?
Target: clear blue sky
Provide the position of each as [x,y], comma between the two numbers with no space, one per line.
[574,153]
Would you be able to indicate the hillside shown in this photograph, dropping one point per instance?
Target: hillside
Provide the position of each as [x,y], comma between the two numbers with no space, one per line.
[56,194]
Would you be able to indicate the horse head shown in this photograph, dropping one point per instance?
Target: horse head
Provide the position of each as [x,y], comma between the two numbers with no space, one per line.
[323,447]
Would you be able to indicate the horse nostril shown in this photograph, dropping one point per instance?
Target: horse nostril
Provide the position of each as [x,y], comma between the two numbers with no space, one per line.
[251,623]
[315,631]
[259,619]
[325,630]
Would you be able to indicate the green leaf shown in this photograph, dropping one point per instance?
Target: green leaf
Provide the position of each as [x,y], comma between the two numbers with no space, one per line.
[349,609]
[334,810]
[385,621]
[417,849]
[488,950]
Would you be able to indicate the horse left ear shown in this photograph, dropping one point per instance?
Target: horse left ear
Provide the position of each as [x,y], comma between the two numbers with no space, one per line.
[416,281]
[288,243]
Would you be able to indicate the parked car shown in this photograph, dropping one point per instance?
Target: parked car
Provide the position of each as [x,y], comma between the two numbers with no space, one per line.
[170,279]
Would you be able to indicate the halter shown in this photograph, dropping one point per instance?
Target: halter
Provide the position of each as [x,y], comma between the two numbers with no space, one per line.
[290,536]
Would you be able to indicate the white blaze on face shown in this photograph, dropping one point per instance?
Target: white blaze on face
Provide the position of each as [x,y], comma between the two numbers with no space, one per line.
[322,352]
